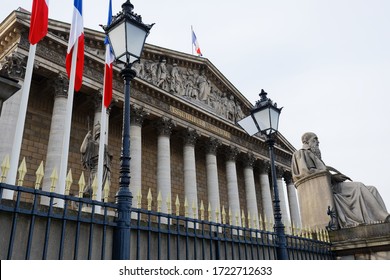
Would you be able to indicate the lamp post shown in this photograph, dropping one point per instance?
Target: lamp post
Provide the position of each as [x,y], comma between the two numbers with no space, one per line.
[126,34]
[264,118]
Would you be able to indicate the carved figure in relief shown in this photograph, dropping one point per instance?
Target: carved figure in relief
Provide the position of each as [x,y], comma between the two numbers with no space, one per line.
[355,202]
[90,155]
[162,74]
[203,87]
[176,84]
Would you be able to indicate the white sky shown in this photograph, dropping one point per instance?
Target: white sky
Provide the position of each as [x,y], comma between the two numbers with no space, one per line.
[327,62]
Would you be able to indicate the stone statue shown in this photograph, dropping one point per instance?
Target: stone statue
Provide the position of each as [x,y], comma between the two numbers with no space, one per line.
[90,155]
[355,202]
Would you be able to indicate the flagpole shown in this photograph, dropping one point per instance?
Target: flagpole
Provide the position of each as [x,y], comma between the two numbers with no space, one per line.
[102,142]
[192,44]
[67,125]
[11,178]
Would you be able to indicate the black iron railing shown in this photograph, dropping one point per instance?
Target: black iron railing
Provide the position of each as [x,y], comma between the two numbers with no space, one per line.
[34,227]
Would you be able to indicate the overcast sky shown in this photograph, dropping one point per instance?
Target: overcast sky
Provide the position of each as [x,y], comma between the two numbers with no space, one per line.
[326,62]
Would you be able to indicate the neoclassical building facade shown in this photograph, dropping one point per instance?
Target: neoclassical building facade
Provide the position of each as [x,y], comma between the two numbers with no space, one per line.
[185,141]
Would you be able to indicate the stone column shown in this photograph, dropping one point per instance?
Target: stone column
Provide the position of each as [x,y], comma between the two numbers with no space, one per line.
[164,127]
[54,148]
[232,184]
[250,190]
[293,201]
[137,117]
[283,197]
[266,197]
[212,178]
[190,187]
[14,67]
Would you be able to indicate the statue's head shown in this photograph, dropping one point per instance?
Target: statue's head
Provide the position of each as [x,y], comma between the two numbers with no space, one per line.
[310,142]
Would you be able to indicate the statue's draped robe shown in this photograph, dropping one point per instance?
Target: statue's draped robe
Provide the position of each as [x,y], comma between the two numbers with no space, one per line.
[355,202]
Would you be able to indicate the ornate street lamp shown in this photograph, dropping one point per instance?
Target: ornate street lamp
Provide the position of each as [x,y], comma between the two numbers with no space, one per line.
[126,34]
[264,118]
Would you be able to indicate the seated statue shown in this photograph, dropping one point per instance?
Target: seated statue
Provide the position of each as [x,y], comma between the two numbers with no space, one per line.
[355,202]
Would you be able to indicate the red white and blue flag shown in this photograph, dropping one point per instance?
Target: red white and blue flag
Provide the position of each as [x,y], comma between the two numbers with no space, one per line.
[108,70]
[76,36]
[39,20]
[195,43]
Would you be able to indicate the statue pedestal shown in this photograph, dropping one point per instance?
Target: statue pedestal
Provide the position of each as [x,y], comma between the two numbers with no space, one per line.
[315,196]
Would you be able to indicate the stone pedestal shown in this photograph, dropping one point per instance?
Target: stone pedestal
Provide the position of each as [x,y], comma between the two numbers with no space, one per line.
[315,196]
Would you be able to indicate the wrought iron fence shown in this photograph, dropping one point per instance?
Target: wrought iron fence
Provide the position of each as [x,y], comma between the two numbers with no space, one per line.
[45,225]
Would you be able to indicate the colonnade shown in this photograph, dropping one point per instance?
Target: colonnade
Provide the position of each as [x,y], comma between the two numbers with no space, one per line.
[256,206]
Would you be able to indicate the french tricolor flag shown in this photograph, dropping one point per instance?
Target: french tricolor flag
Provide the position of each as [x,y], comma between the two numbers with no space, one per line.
[108,71]
[39,21]
[76,36]
[195,43]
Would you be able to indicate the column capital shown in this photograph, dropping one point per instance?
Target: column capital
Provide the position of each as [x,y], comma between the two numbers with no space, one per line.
[15,66]
[61,86]
[165,126]
[190,136]
[212,145]
[97,100]
[264,166]
[249,160]
[231,153]
[279,172]
[137,115]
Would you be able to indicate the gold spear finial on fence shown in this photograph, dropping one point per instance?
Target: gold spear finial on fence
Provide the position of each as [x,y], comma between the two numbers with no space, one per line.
[249,220]
[217,214]
[209,212]
[177,205]
[261,223]
[5,166]
[237,219]
[139,198]
[185,207]
[150,199]
[230,217]
[68,182]
[201,210]
[169,203]
[194,210]
[242,218]
[53,178]
[22,171]
[39,176]
[106,191]
[81,185]
[159,201]
[223,215]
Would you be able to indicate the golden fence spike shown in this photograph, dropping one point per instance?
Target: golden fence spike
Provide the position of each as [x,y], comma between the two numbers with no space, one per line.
[230,217]
[139,198]
[185,207]
[177,205]
[94,188]
[22,171]
[265,223]
[169,204]
[68,182]
[201,210]
[217,214]
[223,215]
[209,211]
[249,220]
[53,178]
[194,212]
[150,199]
[243,218]
[106,191]
[237,220]
[260,223]
[39,176]
[159,201]
[81,184]
[310,233]
[5,166]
